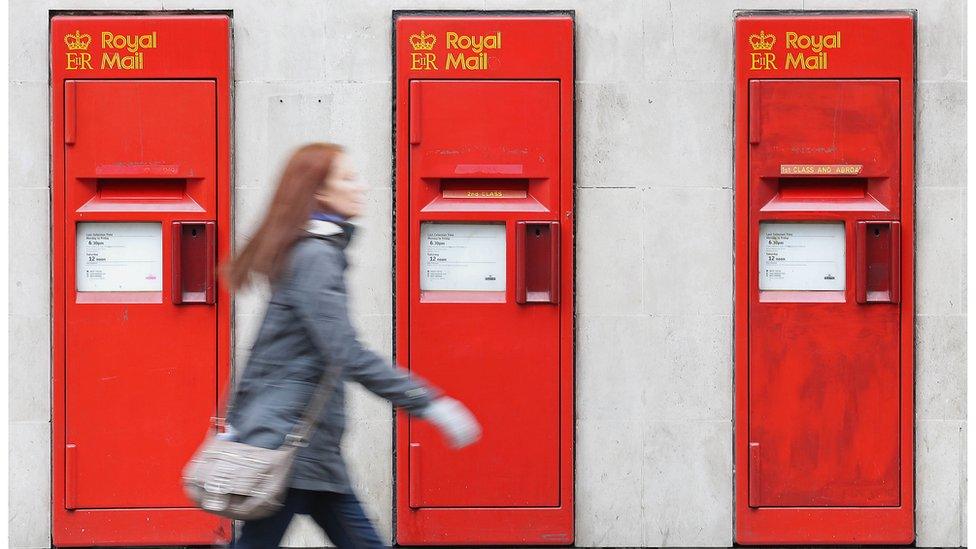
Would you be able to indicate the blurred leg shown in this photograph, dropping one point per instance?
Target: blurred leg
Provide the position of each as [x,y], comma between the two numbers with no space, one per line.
[344,521]
[267,532]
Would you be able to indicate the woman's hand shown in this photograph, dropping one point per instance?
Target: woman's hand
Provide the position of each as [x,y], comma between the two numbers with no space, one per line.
[454,420]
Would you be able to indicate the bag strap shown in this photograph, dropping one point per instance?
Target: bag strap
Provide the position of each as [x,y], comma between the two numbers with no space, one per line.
[310,419]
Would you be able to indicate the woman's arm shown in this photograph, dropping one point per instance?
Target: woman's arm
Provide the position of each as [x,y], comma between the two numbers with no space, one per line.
[320,300]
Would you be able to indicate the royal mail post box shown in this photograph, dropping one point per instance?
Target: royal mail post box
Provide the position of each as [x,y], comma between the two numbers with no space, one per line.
[141,211]
[484,301]
[824,329]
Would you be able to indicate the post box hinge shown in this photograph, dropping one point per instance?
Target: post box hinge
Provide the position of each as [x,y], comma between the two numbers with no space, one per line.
[755,470]
[413,466]
[70,112]
[414,112]
[755,101]
[70,476]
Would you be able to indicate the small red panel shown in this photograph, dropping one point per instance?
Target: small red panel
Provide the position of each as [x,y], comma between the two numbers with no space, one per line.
[824,126]
[484,145]
[878,256]
[141,334]
[537,262]
[194,264]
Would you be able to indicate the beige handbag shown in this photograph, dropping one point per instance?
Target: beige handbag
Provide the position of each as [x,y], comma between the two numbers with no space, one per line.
[244,482]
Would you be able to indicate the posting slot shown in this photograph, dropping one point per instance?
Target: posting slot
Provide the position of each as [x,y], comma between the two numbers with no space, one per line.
[810,188]
[485,194]
[156,194]
[845,193]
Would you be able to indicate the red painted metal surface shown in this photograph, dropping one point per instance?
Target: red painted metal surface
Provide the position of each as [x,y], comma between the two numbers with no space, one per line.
[878,254]
[484,119]
[537,262]
[141,133]
[194,262]
[824,378]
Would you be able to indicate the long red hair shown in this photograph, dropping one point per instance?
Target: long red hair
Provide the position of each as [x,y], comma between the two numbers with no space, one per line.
[289,211]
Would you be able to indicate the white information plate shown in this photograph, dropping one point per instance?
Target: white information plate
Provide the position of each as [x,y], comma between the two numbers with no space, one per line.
[801,256]
[119,257]
[462,256]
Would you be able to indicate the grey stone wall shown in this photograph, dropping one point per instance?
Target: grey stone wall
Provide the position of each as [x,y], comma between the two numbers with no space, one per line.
[655,178]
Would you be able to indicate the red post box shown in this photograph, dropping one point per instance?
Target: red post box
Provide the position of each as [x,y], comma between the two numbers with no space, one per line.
[141,331]
[824,308]
[484,273]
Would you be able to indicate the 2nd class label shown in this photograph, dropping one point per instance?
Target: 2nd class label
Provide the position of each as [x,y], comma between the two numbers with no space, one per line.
[119,257]
[502,193]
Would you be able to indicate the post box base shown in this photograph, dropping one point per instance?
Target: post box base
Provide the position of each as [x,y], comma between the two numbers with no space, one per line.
[129,527]
[826,526]
[513,526]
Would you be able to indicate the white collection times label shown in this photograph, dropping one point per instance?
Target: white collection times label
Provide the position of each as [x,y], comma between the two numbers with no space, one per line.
[119,257]
[462,256]
[801,256]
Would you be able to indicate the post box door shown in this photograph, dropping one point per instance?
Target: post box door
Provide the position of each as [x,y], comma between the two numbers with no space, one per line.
[824,369]
[141,332]
[484,158]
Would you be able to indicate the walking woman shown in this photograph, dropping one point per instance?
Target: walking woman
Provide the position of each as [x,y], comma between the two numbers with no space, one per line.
[306,333]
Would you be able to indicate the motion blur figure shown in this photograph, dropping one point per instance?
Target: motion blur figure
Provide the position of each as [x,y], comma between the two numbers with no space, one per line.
[306,333]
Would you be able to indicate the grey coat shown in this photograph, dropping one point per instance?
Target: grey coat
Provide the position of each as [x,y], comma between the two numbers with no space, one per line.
[306,331]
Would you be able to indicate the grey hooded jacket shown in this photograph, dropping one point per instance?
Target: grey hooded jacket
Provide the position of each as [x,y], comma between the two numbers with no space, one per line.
[306,331]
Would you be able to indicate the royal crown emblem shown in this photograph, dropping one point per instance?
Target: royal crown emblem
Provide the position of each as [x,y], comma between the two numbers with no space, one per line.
[422,41]
[762,41]
[77,41]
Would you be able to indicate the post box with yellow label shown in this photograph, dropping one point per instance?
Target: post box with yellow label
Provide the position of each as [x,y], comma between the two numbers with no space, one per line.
[484,280]
[141,331]
[824,279]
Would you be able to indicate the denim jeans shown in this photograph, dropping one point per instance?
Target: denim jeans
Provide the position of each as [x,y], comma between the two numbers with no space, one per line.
[340,515]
